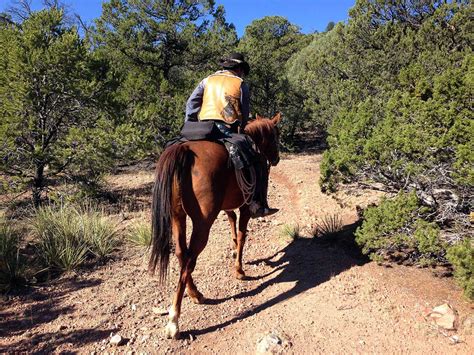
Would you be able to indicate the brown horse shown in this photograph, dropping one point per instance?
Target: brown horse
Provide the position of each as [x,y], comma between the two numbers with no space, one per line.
[195,179]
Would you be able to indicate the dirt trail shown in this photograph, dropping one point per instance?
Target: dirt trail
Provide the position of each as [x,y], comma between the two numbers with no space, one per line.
[314,297]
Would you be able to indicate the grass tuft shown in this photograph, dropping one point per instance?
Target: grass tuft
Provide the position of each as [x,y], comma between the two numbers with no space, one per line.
[328,227]
[12,265]
[290,230]
[140,234]
[68,235]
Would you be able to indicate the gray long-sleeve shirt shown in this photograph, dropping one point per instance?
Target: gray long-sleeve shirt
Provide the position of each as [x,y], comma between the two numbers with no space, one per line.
[194,103]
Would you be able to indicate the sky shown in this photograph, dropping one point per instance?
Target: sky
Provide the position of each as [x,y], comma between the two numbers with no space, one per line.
[309,15]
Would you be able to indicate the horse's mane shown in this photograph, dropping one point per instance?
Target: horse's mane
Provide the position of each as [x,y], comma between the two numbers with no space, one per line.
[259,129]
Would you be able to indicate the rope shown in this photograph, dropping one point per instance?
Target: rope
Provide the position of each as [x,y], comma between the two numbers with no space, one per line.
[246,186]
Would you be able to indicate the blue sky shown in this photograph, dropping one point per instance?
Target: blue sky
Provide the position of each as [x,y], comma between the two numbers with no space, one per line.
[309,15]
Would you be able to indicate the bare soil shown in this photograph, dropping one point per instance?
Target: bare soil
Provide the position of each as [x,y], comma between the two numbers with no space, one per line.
[317,297]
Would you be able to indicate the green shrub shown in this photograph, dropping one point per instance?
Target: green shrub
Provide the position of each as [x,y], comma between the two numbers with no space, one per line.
[68,235]
[12,265]
[427,238]
[461,256]
[397,102]
[140,234]
[397,225]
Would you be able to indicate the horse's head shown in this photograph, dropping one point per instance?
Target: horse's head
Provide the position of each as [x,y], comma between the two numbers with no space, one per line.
[266,135]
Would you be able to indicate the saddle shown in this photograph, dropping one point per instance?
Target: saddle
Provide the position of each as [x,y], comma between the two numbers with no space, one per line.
[240,147]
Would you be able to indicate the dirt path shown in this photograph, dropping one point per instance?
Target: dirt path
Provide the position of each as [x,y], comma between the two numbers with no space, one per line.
[314,297]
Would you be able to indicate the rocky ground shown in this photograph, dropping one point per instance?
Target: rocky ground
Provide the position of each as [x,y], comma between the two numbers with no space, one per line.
[302,296]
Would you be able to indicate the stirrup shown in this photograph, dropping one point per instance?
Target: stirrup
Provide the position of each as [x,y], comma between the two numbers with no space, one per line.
[263,212]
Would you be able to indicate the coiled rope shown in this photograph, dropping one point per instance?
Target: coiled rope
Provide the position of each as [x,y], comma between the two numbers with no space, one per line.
[247,186]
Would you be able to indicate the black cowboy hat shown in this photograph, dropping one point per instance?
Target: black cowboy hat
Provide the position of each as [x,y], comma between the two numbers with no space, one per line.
[234,61]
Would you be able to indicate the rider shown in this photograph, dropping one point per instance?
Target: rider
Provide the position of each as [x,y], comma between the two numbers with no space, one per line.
[224,98]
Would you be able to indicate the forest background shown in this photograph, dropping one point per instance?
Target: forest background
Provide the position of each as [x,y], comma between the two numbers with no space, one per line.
[390,91]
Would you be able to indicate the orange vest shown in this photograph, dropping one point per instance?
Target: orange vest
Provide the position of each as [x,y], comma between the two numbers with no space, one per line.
[221,99]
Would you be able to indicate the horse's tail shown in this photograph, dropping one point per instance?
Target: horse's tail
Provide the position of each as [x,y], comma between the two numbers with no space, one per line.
[172,164]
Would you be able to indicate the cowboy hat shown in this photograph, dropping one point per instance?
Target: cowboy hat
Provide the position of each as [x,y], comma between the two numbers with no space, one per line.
[234,61]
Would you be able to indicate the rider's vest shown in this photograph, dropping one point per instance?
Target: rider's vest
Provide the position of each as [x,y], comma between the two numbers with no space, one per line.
[221,99]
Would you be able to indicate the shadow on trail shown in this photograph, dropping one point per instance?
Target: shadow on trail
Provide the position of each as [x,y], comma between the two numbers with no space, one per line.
[305,262]
[47,343]
[38,306]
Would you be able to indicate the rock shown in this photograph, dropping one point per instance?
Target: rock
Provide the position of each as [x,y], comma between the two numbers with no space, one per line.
[455,339]
[443,316]
[160,311]
[134,307]
[116,340]
[467,325]
[268,343]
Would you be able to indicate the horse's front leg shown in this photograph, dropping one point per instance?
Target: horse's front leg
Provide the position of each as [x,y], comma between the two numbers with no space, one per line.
[241,235]
[232,217]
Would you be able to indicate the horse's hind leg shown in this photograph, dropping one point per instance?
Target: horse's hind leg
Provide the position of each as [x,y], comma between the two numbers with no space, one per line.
[178,221]
[187,260]
[232,217]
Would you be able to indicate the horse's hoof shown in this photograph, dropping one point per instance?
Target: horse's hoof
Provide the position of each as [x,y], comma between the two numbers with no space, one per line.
[240,275]
[172,331]
[198,299]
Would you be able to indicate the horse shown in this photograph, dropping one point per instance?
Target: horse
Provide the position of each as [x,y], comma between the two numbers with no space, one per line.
[195,179]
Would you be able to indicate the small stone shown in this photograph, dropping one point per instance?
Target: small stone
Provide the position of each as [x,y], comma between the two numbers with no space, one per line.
[455,339]
[116,340]
[160,311]
[134,307]
[61,327]
[267,343]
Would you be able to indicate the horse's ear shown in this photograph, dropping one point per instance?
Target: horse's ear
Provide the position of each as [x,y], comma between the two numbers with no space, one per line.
[258,117]
[277,118]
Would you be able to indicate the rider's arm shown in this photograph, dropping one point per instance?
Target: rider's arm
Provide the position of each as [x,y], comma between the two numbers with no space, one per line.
[245,103]
[194,103]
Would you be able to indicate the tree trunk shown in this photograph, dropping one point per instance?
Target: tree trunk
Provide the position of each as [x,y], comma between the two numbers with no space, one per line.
[38,184]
